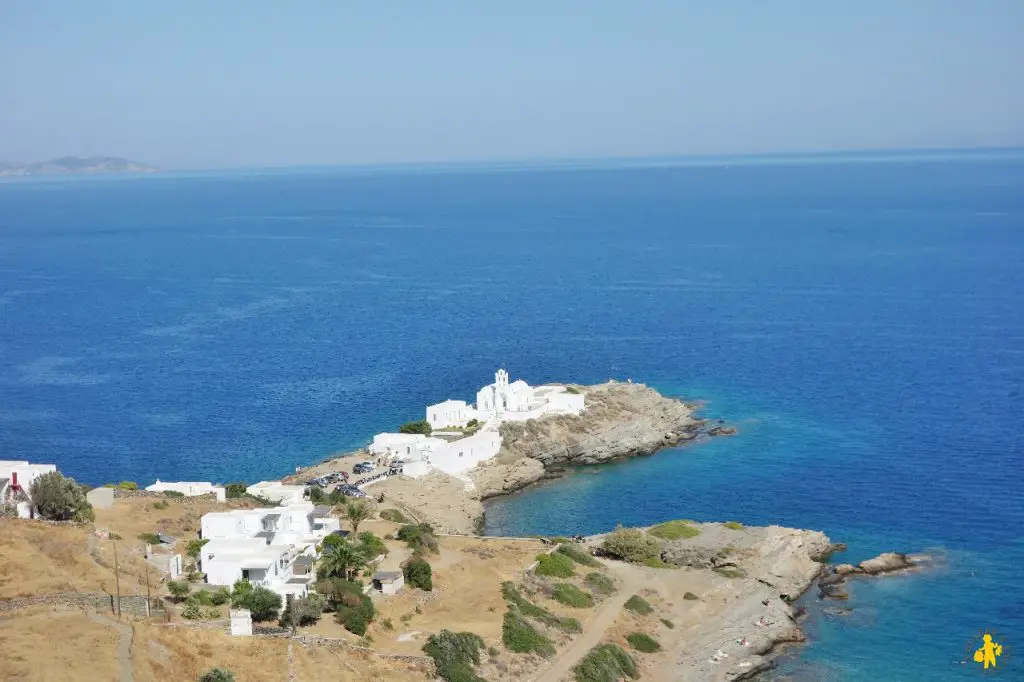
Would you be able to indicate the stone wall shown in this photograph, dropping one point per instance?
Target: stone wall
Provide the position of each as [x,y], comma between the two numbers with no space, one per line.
[134,605]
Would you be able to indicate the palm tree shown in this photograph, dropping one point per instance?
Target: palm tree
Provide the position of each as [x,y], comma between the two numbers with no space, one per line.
[355,512]
[342,559]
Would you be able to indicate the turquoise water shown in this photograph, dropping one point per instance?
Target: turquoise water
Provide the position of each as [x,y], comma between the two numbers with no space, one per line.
[861,323]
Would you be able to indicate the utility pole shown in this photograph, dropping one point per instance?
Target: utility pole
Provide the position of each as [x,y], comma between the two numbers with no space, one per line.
[149,597]
[117,580]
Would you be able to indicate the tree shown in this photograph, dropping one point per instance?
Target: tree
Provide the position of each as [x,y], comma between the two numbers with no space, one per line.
[418,573]
[217,675]
[263,604]
[355,512]
[455,654]
[371,546]
[57,498]
[352,607]
[422,426]
[194,547]
[178,588]
[303,611]
[341,560]
[236,489]
[317,495]
[239,591]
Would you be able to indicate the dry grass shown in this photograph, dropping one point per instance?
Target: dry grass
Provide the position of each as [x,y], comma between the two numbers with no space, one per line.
[87,648]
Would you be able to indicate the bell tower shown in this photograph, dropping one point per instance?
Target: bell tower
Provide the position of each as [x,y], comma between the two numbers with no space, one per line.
[501,380]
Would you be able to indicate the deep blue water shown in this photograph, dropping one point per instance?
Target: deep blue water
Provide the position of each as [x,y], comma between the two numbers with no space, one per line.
[862,323]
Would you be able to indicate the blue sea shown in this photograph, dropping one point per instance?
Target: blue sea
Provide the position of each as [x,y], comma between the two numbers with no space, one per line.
[859,319]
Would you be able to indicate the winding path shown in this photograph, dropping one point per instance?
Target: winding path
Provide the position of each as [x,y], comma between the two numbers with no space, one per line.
[124,645]
[632,579]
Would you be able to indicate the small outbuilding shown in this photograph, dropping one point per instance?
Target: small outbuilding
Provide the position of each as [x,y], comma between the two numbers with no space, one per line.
[388,582]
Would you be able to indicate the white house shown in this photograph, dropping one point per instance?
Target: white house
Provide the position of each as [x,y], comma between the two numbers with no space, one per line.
[388,582]
[459,456]
[16,477]
[450,413]
[189,488]
[279,492]
[518,401]
[404,446]
[274,546]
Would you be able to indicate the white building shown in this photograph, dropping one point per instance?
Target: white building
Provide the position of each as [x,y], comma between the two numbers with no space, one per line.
[450,414]
[16,477]
[459,456]
[279,492]
[518,401]
[388,582]
[274,547]
[189,488]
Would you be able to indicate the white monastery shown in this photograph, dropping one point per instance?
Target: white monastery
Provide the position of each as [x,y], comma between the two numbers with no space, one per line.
[16,477]
[274,546]
[495,403]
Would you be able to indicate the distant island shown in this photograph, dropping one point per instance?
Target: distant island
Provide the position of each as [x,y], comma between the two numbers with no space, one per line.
[74,165]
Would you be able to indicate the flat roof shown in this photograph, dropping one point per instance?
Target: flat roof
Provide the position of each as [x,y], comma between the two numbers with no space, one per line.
[387,576]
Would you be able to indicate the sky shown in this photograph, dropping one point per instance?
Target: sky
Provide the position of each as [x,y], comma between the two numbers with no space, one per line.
[199,84]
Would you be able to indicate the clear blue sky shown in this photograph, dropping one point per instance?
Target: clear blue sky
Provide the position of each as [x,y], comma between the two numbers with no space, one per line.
[192,84]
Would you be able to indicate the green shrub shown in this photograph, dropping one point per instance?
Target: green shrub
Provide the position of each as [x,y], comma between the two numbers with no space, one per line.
[418,537]
[353,609]
[418,573]
[194,547]
[201,597]
[733,525]
[262,603]
[192,611]
[236,489]
[160,504]
[605,663]
[643,643]
[674,530]
[127,485]
[317,495]
[656,562]
[174,494]
[599,584]
[220,596]
[303,611]
[667,623]
[527,608]
[179,589]
[58,498]
[472,422]
[217,675]
[570,595]
[730,572]
[578,554]
[394,516]
[455,654]
[113,536]
[371,546]
[631,544]
[554,565]
[572,389]
[520,637]
[421,426]
[690,596]
[639,605]
[386,624]
[150,538]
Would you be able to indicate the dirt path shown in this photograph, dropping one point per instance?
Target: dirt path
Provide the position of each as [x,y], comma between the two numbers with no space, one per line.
[632,579]
[124,645]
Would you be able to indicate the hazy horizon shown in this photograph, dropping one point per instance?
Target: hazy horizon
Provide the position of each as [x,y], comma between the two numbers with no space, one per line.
[198,86]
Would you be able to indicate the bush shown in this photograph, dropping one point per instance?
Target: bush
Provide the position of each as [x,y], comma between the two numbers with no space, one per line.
[174,494]
[57,498]
[201,597]
[371,546]
[605,663]
[520,637]
[419,537]
[733,525]
[262,603]
[578,554]
[421,426]
[674,530]
[236,489]
[150,538]
[303,611]
[643,643]
[472,422]
[656,562]
[394,516]
[554,565]
[631,544]
[239,590]
[570,595]
[527,608]
[179,589]
[217,675]
[599,584]
[317,495]
[161,504]
[455,654]
[353,609]
[220,596]
[127,485]
[690,596]
[667,623]
[418,573]
[572,389]
[192,611]
[194,547]
[639,605]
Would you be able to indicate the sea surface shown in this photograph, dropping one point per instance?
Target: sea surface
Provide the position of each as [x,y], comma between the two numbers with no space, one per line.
[859,319]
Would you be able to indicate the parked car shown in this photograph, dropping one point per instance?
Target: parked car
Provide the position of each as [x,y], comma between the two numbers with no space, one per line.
[363,468]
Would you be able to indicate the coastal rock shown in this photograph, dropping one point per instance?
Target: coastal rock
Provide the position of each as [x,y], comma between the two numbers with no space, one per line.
[829,551]
[846,569]
[886,563]
[679,554]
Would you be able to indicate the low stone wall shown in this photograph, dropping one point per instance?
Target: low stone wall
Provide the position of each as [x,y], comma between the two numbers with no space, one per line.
[150,494]
[134,605]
